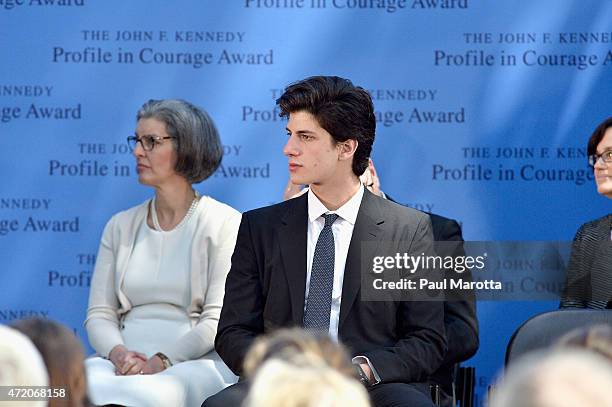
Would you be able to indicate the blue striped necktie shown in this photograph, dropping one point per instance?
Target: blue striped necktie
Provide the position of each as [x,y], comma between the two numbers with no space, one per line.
[318,305]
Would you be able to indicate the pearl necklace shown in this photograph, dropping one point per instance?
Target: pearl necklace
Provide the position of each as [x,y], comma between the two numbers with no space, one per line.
[190,211]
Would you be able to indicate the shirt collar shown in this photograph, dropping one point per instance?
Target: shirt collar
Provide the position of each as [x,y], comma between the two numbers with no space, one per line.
[348,211]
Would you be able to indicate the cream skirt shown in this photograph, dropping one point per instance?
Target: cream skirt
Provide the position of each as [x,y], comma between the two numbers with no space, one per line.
[186,384]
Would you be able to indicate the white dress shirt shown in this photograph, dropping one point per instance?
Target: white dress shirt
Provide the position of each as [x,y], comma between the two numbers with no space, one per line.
[342,230]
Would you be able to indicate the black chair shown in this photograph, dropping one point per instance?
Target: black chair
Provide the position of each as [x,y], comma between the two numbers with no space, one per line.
[543,330]
[463,387]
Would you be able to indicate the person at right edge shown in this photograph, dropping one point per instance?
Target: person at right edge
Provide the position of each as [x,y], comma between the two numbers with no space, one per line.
[588,281]
[394,344]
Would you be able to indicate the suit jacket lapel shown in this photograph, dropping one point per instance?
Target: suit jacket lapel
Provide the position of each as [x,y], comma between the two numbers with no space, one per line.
[292,241]
[368,227]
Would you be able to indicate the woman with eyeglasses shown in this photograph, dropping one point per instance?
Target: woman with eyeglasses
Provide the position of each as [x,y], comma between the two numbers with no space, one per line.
[589,273]
[159,279]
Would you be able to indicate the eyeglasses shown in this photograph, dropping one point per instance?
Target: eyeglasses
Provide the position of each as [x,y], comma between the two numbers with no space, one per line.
[606,157]
[147,142]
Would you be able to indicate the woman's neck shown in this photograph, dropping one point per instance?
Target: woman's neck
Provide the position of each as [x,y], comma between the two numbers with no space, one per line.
[172,203]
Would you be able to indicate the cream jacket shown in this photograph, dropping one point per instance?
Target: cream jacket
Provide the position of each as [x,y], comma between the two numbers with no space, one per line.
[213,246]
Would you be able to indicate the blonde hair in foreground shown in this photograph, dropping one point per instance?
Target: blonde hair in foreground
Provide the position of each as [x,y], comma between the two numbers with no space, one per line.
[597,338]
[299,347]
[20,365]
[563,378]
[280,383]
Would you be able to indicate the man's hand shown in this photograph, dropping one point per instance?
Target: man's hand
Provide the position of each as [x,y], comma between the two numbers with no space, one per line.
[366,369]
[370,179]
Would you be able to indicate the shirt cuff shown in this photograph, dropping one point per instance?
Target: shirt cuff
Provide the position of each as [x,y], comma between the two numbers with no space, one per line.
[357,360]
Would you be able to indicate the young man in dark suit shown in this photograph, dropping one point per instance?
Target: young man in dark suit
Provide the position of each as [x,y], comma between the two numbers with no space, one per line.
[298,263]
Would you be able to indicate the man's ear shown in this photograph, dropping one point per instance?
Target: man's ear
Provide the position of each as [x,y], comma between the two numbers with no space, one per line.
[346,149]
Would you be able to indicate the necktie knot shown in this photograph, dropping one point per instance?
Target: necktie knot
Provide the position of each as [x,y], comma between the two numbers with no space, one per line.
[330,218]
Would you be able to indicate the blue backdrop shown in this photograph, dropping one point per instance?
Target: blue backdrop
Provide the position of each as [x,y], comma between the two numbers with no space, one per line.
[484,109]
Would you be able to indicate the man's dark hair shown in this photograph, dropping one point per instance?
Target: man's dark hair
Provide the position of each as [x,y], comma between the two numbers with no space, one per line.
[344,110]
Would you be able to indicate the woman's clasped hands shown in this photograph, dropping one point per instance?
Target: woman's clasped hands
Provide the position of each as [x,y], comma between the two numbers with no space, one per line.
[129,362]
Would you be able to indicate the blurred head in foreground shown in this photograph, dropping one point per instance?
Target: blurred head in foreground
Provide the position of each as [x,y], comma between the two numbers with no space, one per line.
[20,364]
[281,383]
[596,338]
[299,347]
[63,355]
[563,378]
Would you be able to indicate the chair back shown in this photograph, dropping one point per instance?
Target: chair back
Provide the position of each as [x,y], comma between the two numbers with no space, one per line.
[542,330]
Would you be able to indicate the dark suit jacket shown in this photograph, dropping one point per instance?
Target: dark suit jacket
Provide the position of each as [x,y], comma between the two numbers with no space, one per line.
[460,318]
[266,286]
[589,273]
